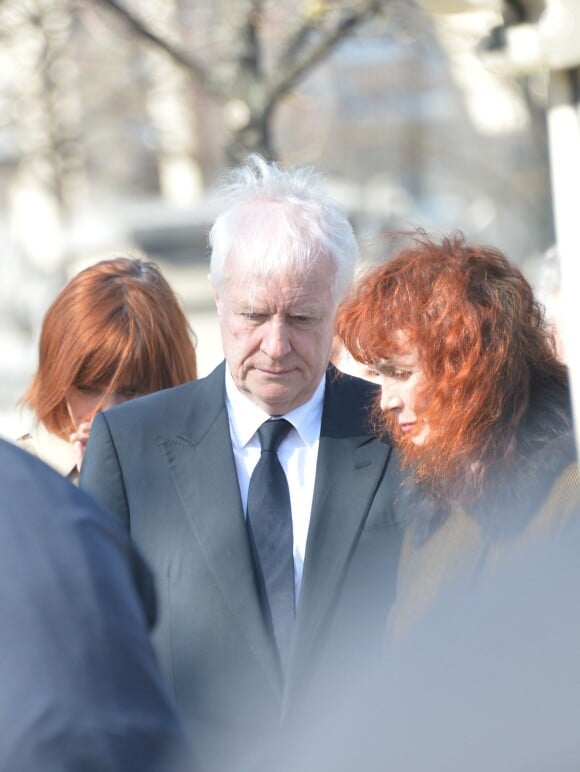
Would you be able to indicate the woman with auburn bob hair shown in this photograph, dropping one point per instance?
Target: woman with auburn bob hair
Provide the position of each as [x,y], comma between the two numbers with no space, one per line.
[116,331]
[477,402]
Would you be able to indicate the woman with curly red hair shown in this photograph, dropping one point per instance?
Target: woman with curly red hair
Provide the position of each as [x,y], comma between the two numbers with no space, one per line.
[475,399]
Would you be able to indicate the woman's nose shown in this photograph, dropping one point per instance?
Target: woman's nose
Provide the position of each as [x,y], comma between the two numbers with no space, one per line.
[276,342]
[390,400]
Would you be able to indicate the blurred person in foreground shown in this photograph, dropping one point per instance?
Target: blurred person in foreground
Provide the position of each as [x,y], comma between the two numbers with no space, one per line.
[115,331]
[179,468]
[80,686]
[487,680]
[476,400]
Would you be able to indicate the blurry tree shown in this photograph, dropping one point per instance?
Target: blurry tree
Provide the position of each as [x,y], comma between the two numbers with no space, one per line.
[37,39]
[129,100]
[173,122]
[40,81]
[258,54]
[76,86]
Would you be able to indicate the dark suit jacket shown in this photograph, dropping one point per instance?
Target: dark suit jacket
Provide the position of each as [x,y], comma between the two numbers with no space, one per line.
[79,685]
[165,466]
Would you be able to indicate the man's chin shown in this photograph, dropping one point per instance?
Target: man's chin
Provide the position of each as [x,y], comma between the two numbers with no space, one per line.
[275,395]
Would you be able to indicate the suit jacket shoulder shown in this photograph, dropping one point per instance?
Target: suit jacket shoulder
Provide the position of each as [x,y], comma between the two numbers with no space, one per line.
[195,403]
[348,401]
[123,438]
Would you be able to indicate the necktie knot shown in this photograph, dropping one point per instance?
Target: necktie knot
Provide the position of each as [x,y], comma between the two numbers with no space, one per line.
[272,432]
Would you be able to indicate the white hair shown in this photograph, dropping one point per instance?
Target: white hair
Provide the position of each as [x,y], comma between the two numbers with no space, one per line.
[279,221]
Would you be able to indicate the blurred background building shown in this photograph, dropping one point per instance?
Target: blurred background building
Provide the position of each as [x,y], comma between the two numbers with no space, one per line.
[118,119]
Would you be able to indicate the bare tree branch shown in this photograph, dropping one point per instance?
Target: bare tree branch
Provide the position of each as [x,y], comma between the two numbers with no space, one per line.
[193,66]
[254,39]
[237,78]
[296,42]
[298,35]
[287,74]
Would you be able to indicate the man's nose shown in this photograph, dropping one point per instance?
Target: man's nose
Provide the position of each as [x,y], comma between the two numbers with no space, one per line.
[276,340]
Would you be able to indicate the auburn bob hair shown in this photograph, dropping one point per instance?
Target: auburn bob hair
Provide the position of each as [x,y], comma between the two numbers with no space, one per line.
[116,325]
[483,345]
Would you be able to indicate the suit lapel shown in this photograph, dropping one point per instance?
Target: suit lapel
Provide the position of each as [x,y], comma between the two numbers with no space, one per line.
[203,469]
[349,467]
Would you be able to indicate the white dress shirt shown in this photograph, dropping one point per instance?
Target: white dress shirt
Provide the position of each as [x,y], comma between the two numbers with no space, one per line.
[298,454]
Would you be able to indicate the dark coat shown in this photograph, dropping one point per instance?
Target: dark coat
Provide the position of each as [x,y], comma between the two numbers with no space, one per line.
[164,465]
[79,685]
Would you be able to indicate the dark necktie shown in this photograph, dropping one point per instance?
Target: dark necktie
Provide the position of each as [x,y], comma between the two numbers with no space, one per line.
[269,520]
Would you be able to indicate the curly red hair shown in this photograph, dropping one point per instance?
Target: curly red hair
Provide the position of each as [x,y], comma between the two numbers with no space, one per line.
[482,341]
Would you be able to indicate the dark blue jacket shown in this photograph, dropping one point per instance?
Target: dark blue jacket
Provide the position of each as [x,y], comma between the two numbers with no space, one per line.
[79,684]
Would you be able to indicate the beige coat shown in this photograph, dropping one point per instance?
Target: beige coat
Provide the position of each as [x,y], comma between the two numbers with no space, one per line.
[53,450]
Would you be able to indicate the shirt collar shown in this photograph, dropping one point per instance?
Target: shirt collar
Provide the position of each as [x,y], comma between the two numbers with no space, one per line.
[245,417]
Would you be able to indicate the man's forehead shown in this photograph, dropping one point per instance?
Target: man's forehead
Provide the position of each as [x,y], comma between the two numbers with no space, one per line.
[272,292]
[276,262]
[250,280]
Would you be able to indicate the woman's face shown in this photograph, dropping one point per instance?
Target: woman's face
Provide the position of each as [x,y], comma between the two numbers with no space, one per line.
[400,378]
[84,401]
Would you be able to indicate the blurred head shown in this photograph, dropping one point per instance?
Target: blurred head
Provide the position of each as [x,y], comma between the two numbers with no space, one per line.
[114,332]
[283,255]
[457,339]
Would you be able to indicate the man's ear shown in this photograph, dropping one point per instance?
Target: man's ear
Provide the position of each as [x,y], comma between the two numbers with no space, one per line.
[216,294]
